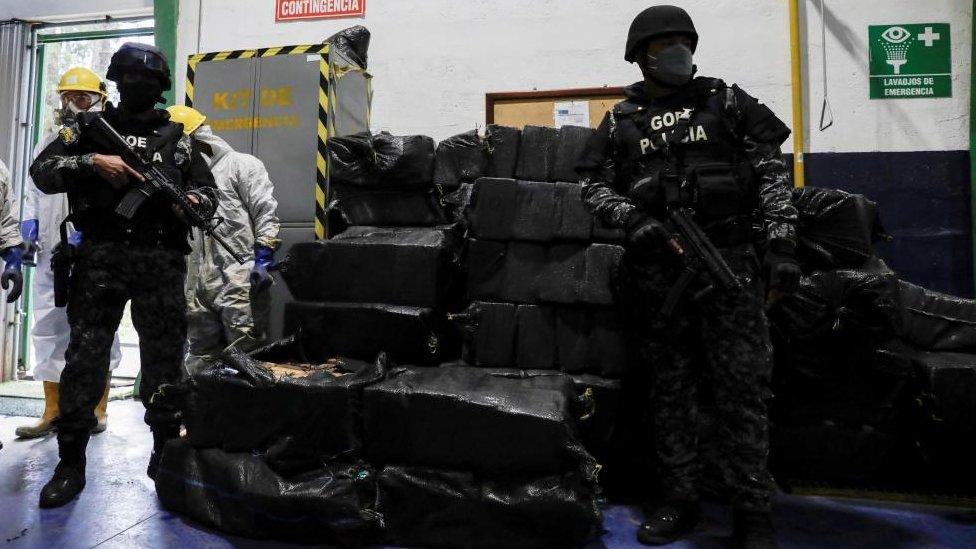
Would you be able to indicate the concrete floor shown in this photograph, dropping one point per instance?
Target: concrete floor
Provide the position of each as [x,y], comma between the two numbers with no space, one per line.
[119,507]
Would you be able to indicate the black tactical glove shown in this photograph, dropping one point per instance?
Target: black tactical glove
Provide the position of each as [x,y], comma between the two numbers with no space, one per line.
[14,280]
[646,233]
[781,268]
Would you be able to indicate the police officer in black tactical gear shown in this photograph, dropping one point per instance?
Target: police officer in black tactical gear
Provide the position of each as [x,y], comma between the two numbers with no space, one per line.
[141,260]
[678,141]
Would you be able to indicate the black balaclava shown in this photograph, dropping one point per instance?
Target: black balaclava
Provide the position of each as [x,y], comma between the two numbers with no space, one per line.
[139,92]
[672,67]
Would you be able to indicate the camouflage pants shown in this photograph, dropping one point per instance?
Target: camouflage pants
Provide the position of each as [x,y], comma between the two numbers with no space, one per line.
[723,341]
[107,276]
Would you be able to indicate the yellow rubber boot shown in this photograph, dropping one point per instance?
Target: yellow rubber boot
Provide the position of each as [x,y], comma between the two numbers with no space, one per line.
[101,411]
[44,427]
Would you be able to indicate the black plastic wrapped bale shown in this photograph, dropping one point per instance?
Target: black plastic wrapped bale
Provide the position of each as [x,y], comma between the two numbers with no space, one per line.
[239,494]
[830,349]
[291,413]
[362,330]
[493,208]
[425,507]
[523,272]
[387,207]
[574,221]
[503,147]
[946,428]
[463,418]
[529,211]
[569,148]
[537,151]
[536,337]
[590,341]
[353,43]
[399,266]
[489,330]
[457,203]
[462,158]
[837,229]
[382,161]
[936,321]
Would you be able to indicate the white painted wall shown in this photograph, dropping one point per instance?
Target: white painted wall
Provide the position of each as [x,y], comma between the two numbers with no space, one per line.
[862,124]
[434,60]
[72,9]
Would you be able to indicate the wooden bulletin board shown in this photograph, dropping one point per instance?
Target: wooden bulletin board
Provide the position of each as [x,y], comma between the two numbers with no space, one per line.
[536,108]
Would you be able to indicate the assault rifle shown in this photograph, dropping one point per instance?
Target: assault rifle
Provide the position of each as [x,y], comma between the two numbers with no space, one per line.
[155,181]
[700,256]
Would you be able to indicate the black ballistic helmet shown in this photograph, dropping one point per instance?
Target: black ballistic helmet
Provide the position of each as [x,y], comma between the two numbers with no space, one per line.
[656,21]
[134,57]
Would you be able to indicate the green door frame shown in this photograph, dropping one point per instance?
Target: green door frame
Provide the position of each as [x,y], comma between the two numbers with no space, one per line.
[166,13]
[972,146]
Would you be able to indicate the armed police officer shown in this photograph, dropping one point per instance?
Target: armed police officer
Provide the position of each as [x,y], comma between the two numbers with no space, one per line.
[696,146]
[141,259]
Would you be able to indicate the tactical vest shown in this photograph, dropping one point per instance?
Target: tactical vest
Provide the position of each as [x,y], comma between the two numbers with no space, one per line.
[718,180]
[93,201]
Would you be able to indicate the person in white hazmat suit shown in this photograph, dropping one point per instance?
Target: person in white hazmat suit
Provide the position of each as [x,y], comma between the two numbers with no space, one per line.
[80,90]
[228,304]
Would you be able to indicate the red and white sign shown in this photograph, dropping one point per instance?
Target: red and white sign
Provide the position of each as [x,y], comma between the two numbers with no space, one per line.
[288,10]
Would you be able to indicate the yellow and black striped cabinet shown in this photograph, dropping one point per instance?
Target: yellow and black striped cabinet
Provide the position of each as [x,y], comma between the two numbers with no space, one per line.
[282,104]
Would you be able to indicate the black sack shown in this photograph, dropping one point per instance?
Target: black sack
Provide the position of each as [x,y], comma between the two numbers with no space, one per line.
[363,330]
[537,152]
[529,211]
[489,332]
[424,507]
[569,149]
[240,494]
[460,159]
[240,405]
[353,43]
[400,266]
[463,418]
[524,272]
[836,229]
[935,321]
[387,207]
[503,147]
[381,160]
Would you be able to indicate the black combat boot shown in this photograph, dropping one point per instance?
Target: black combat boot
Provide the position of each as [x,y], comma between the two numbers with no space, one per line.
[669,521]
[69,476]
[160,436]
[753,530]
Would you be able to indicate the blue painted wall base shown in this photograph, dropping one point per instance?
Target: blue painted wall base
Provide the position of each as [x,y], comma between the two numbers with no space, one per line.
[925,205]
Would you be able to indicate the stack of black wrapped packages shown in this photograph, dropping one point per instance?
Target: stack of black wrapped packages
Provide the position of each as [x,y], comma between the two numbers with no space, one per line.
[541,276]
[875,377]
[386,278]
[293,443]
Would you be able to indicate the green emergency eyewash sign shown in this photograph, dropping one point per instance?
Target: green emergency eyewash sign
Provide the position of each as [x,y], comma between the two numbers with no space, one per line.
[910,61]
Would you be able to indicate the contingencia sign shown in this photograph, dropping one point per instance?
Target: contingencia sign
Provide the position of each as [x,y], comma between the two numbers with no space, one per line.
[288,10]
[910,61]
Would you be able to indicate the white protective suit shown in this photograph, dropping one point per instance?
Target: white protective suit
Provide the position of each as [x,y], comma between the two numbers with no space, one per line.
[9,226]
[50,331]
[221,313]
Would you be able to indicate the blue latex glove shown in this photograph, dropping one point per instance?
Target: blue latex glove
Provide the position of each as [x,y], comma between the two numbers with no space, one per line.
[28,231]
[74,239]
[260,278]
[12,278]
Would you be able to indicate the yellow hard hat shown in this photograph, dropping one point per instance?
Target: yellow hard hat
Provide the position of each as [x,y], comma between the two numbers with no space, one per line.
[188,116]
[83,80]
